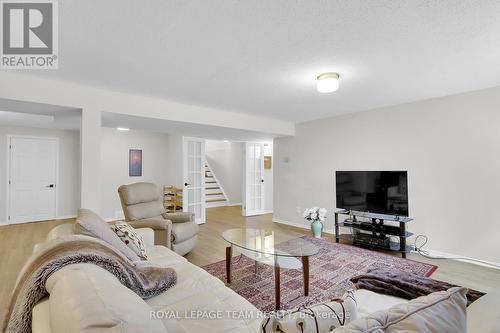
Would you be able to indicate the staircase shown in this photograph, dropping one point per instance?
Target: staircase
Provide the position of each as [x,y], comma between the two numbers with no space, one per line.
[215,196]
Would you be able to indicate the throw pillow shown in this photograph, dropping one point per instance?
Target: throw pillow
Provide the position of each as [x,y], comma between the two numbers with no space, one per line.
[440,312]
[318,318]
[90,224]
[131,238]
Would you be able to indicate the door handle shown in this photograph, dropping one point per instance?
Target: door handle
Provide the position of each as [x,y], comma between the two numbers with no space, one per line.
[186,184]
[50,186]
[262,180]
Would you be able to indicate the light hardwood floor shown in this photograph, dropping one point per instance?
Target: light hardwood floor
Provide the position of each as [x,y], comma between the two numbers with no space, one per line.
[16,244]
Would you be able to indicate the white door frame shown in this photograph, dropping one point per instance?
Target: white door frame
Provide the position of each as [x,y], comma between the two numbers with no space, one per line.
[8,168]
[244,211]
[185,166]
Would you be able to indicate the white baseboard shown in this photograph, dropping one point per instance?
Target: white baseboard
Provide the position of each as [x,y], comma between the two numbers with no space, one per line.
[62,217]
[264,212]
[216,204]
[469,260]
[65,217]
[234,204]
[298,225]
[293,224]
[449,256]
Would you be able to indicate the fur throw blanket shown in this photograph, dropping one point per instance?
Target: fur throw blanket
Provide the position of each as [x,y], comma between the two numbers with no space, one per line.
[404,285]
[143,278]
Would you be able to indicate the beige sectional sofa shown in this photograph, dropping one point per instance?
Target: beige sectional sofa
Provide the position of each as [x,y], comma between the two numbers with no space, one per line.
[84,295]
[86,298]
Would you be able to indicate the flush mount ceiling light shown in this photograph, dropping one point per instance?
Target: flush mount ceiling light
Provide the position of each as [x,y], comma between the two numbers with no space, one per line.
[328,82]
[122,129]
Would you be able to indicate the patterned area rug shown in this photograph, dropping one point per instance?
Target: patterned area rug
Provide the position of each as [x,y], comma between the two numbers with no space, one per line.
[330,271]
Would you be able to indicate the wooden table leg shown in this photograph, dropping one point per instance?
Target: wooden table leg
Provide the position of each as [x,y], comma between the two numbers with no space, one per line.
[229,255]
[277,284]
[305,271]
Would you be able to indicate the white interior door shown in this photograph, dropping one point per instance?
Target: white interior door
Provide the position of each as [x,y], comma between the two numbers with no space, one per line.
[194,177]
[254,179]
[32,179]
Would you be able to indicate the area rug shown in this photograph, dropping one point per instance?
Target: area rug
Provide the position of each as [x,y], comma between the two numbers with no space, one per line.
[329,274]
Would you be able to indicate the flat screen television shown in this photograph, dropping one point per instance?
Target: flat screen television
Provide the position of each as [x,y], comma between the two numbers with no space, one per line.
[381,192]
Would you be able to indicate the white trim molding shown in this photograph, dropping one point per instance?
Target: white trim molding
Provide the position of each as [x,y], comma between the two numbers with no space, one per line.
[432,253]
[293,224]
[57,218]
[65,217]
[449,256]
[298,225]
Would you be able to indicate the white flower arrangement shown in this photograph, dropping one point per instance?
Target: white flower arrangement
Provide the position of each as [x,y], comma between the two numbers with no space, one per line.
[315,214]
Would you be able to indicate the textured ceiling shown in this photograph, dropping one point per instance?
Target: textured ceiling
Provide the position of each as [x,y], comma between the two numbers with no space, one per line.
[183,128]
[262,56]
[27,114]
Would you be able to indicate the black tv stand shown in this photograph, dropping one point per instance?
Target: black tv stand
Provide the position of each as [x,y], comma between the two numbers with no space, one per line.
[374,230]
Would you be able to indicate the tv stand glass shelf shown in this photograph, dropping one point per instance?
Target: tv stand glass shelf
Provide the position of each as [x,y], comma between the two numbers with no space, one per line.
[387,232]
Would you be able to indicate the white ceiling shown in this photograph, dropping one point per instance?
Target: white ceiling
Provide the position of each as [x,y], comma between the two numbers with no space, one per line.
[182,128]
[262,56]
[28,114]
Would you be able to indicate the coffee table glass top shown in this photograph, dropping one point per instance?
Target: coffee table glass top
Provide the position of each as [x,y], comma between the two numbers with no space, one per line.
[270,242]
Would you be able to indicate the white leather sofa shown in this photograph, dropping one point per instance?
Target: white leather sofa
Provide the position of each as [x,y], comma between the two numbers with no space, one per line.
[85,295]
[196,290]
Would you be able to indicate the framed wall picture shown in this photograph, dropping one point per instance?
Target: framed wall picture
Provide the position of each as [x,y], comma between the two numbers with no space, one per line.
[135,162]
[268,162]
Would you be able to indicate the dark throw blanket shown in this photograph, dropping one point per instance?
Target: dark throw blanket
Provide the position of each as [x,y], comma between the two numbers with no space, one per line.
[404,285]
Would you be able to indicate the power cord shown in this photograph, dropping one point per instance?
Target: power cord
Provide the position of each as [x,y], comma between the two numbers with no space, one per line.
[424,253]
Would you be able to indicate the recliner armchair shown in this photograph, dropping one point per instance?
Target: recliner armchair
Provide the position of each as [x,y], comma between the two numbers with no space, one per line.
[143,208]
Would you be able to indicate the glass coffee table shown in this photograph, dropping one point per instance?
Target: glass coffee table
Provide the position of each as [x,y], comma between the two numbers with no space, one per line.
[274,248]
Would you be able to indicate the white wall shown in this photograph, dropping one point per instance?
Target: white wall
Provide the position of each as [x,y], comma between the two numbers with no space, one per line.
[68,184]
[158,164]
[226,160]
[450,147]
[269,180]
[90,149]
[175,155]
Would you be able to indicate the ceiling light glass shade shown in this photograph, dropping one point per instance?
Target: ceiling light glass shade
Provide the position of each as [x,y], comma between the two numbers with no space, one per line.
[122,129]
[328,82]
